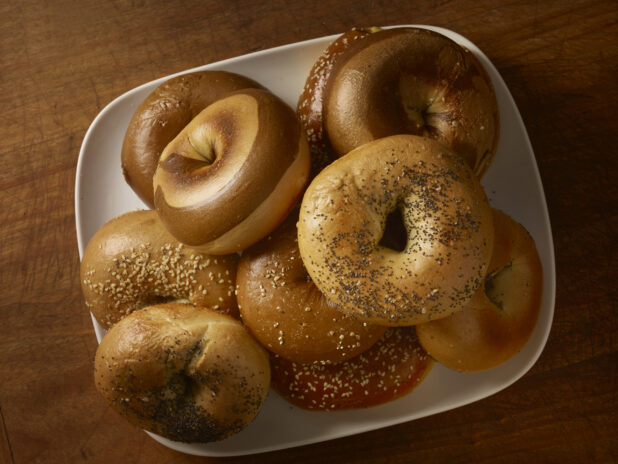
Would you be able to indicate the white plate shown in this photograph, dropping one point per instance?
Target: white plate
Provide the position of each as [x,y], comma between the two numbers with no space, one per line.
[512,183]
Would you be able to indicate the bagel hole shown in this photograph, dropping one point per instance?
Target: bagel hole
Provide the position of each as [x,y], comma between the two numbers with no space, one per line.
[417,118]
[395,236]
[175,387]
[414,97]
[496,285]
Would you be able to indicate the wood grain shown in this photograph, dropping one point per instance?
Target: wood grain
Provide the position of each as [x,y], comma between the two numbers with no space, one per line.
[61,62]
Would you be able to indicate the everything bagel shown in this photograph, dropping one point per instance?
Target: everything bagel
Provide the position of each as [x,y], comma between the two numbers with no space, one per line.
[446,216]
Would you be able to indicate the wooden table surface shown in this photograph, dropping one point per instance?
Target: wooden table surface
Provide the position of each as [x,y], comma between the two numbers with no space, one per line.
[61,62]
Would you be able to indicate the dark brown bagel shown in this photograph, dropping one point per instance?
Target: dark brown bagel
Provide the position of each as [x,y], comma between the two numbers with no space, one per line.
[163,114]
[412,81]
[310,103]
[391,368]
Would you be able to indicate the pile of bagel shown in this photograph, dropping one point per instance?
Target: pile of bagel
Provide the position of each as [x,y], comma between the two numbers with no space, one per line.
[331,253]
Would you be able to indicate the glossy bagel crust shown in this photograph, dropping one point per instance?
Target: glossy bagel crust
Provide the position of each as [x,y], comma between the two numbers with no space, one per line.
[310,102]
[233,173]
[412,81]
[132,261]
[285,311]
[391,368]
[446,216]
[186,373]
[502,314]
[163,114]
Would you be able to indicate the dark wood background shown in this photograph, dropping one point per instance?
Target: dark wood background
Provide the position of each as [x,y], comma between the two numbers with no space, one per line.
[62,61]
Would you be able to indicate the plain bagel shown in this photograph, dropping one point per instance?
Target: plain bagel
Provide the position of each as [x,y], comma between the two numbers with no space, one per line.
[163,114]
[412,81]
[189,374]
[233,173]
[132,261]
[502,314]
[445,213]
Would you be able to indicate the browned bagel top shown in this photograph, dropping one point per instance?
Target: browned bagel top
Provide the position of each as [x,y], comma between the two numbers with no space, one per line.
[162,115]
[233,153]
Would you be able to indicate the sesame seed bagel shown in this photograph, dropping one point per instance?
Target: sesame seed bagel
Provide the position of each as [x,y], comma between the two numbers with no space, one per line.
[285,311]
[444,211]
[132,261]
[498,321]
[412,81]
[391,368]
[309,108]
[163,114]
[186,373]
[233,173]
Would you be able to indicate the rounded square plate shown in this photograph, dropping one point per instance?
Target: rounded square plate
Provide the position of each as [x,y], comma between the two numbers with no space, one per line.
[512,184]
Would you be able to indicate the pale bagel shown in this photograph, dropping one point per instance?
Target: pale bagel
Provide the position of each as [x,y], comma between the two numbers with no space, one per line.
[443,208]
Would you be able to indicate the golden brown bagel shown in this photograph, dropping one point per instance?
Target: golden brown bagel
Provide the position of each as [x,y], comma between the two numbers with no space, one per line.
[497,322]
[162,115]
[189,374]
[285,311]
[309,108]
[233,173]
[391,368]
[443,208]
[132,261]
[412,81]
